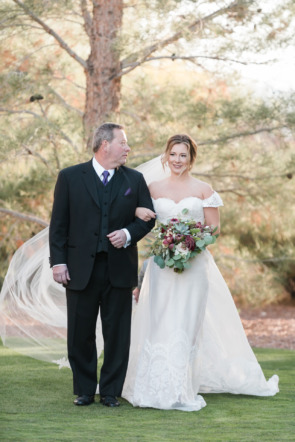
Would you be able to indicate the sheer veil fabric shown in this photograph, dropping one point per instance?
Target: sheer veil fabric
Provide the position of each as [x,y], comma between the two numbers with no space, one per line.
[210,354]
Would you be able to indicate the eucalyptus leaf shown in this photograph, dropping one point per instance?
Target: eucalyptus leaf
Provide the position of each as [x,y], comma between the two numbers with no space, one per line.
[208,240]
[159,261]
[170,262]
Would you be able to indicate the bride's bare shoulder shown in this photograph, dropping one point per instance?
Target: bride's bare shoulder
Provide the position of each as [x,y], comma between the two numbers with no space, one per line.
[201,187]
[156,187]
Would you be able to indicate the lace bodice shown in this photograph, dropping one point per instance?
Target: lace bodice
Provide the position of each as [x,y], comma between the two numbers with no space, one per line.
[166,208]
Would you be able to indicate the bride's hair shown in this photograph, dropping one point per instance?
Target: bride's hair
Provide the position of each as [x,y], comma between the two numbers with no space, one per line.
[181,139]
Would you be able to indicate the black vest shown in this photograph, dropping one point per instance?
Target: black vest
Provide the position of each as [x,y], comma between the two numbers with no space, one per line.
[104,195]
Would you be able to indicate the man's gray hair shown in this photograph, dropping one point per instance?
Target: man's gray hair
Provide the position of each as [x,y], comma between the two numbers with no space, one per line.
[104,132]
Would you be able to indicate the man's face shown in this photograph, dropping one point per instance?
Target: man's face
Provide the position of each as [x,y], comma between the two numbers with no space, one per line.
[117,149]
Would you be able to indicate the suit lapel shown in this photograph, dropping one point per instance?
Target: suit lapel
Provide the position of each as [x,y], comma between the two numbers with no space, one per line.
[118,178]
[89,177]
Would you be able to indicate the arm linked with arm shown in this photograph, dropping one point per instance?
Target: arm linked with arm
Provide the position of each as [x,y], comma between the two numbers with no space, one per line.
[139,228]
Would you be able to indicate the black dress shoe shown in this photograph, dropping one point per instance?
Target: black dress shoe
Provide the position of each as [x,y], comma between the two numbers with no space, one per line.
[84,400]
[109,401]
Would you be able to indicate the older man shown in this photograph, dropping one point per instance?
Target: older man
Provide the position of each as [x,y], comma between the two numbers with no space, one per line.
[93,236]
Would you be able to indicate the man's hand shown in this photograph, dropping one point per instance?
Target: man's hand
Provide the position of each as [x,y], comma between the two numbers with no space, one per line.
[61,274]
[136,293]
[117,238]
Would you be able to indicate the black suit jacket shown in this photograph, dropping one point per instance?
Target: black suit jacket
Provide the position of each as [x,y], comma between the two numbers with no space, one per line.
[75,223]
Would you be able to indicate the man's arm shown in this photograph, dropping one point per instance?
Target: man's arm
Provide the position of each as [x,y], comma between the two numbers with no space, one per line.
[58,231]
[139,228]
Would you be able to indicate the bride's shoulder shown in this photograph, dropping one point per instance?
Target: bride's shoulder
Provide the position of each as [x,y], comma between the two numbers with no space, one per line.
[201,187]
[156,186]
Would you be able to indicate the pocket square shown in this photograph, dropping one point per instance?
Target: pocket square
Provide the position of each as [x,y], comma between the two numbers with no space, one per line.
[128,191]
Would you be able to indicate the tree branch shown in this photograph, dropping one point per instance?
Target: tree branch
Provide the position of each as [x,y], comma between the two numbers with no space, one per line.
[65,104]
[54,77]
[30,151]
[242,177]
[32,218]
[50,31]
[10,111]
[240,134]
[162,44]
[192,58]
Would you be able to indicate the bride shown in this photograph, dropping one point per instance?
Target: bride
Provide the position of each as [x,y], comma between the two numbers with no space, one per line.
[187,337]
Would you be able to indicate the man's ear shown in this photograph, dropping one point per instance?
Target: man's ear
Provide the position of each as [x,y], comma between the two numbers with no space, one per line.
[104,145]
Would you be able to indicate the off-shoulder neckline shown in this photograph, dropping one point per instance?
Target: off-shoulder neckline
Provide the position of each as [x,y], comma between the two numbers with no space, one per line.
[183,199]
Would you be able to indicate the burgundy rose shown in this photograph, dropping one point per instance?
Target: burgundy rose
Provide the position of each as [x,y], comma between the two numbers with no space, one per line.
[190,243]
[174,220]
[199,226]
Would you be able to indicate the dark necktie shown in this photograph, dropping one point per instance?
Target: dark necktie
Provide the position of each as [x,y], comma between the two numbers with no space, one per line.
[105,177]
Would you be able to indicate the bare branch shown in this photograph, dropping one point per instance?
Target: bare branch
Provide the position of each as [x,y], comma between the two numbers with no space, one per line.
[10,111]
[87,17]
[31,218]
[54,77]
[241,134]
[193,58]
[65,104]
[242,177]
[233,190]
[173,38]
[50,31]
[30,151]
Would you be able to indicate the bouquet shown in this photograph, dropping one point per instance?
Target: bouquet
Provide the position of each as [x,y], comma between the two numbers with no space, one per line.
[178,241]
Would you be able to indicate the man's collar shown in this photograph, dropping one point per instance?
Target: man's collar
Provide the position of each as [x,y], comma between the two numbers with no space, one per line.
[99,169]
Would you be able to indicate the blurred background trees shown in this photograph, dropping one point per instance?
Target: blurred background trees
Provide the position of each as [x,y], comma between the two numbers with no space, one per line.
[158,67]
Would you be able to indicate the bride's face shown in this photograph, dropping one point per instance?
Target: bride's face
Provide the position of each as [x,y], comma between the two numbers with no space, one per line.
[178,159]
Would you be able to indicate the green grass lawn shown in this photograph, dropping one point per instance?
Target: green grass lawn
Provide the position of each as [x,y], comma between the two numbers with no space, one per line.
[36,403]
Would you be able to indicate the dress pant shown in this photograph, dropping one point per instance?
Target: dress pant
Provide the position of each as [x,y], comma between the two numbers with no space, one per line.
[115,305]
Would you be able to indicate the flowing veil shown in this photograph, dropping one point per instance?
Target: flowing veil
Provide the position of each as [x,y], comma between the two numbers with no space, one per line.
[33,318]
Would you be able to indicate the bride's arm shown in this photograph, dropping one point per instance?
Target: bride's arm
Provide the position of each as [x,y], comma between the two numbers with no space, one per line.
[212,217]
[144,213]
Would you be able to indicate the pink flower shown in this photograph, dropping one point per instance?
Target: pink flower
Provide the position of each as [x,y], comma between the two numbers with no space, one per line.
[190,243]
[171,246]
[174,220]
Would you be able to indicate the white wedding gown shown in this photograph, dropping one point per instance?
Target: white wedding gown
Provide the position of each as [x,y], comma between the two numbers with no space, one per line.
[187,337]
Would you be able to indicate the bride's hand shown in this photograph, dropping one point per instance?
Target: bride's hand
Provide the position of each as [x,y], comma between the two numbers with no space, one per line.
[144,213]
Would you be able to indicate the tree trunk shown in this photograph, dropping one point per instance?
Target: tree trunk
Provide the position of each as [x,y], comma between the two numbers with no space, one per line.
[102,86]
